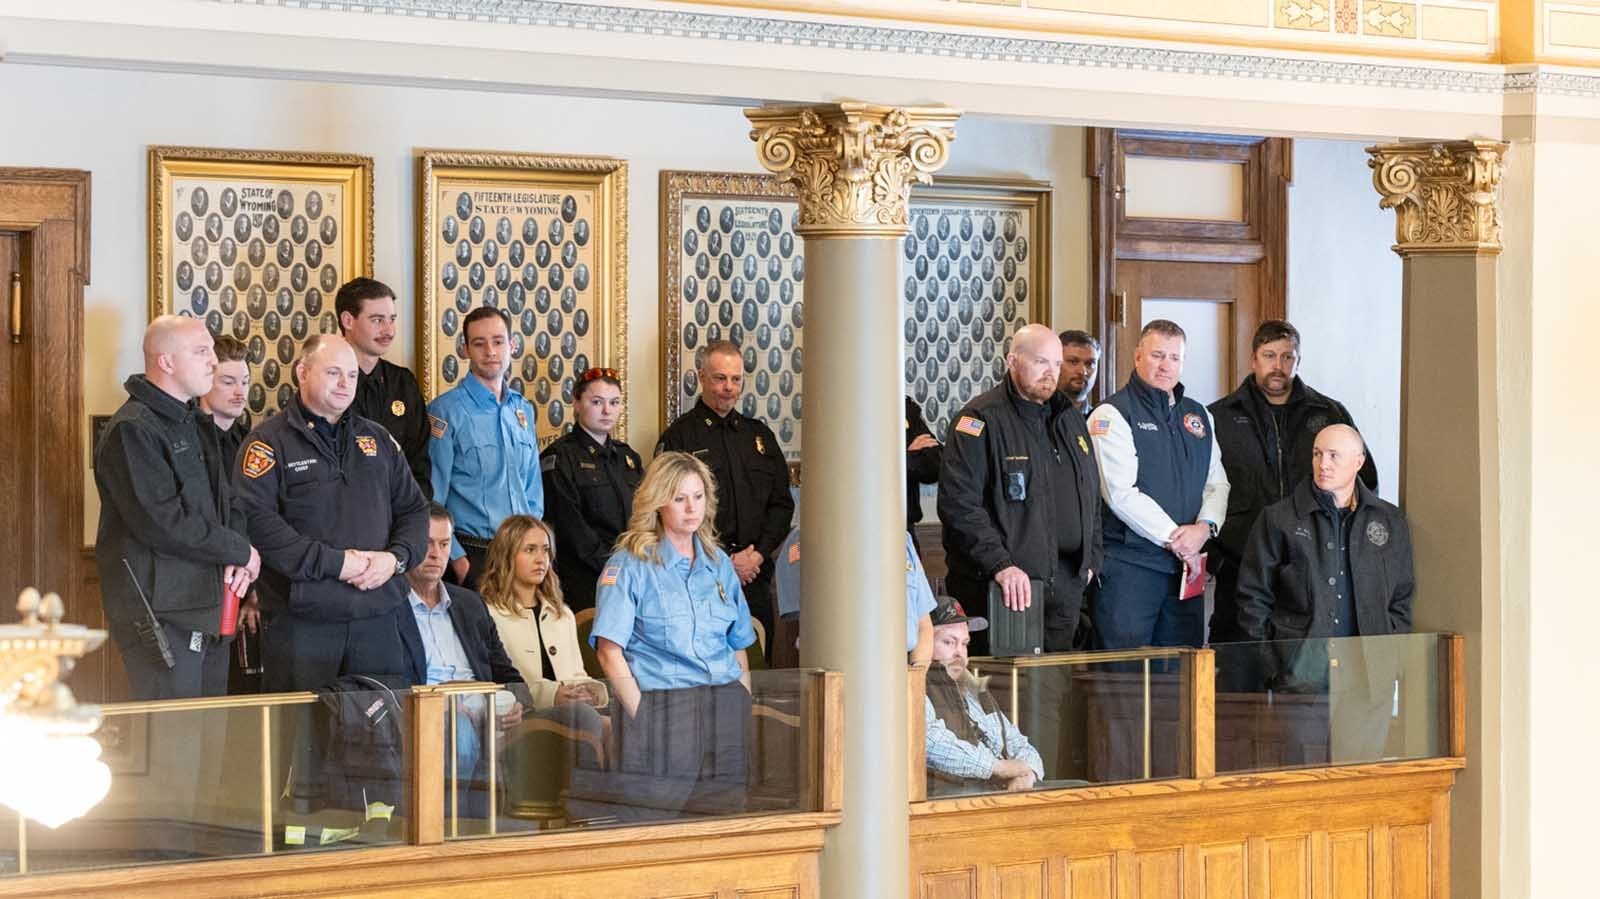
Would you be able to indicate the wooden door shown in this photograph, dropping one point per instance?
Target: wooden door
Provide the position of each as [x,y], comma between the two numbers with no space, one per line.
[44,264]
[1217,304]
[1188,227]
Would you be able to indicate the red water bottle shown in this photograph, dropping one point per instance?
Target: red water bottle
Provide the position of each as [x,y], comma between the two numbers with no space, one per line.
[230,611]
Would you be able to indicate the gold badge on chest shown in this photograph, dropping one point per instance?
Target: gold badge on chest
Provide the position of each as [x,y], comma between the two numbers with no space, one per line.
[761,448]
[398,407]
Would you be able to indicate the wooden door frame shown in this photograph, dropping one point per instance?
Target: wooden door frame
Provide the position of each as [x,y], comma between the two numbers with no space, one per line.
[1262,238]
[30,199]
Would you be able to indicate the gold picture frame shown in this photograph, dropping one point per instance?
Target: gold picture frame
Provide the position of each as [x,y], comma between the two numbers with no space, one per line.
[256,243]
[733,268]
[543,237]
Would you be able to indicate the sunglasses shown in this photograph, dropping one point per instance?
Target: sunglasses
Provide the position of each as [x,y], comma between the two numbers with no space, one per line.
[595,374]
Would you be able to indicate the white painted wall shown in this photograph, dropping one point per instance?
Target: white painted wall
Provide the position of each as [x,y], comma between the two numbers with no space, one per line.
[1344,293]
[115,115]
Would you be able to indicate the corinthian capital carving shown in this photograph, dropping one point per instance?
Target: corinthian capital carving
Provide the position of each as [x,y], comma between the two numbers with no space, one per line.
[853,163]
[1445,194]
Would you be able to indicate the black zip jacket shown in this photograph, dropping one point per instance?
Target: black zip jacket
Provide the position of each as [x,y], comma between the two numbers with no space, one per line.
[1291,569]
[166,507]
[986,528]
[922,466]
[1263,463]
[588,496]
[389,395]
[310,495]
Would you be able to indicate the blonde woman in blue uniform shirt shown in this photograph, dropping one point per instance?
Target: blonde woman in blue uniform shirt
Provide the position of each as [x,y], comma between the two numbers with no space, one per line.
[671,630]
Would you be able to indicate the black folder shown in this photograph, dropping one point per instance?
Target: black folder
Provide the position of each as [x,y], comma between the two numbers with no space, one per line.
[1016,633]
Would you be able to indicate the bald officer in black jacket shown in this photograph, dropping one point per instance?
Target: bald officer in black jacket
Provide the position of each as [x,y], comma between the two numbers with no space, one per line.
[1265,429]
[754,506]
[169,533]
[338,516]
[1019,493]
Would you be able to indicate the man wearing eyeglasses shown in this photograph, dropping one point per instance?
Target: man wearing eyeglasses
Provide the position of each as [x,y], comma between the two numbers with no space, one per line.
[1266,429]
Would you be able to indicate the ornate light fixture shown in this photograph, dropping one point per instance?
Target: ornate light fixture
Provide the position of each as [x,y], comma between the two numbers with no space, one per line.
[50,768]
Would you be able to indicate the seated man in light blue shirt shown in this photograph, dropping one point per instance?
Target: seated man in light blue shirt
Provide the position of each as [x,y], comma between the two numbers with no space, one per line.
[919,595]
[450,637]
[484,447]
[971,745]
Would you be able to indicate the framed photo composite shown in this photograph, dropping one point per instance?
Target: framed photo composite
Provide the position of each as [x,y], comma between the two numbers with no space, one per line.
[543,238]
[256,243]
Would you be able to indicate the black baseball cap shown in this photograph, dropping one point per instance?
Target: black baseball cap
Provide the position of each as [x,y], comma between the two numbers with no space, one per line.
[947,611]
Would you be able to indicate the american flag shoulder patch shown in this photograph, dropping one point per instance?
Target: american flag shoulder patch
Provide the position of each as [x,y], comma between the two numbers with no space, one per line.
[970,426]
[609,576]
[1099,427]
[437,426]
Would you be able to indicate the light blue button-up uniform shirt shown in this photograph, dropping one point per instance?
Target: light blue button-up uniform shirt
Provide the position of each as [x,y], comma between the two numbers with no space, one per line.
[447,659]
[679,622]
[485,457]
[919,594]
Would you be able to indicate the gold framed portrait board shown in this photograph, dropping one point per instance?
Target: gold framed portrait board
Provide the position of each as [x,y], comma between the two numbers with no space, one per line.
[541,237]
[732,268]
[256,243]
[975,268]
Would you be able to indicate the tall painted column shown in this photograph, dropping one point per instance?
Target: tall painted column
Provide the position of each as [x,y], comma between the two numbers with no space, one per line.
[854,165]
[1452,460]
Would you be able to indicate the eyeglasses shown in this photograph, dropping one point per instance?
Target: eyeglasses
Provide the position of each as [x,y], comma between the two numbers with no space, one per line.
[595,374]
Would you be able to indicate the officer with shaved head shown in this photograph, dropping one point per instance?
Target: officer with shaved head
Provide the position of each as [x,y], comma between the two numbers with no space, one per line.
[1019,493]
[170,540]
[1330,560]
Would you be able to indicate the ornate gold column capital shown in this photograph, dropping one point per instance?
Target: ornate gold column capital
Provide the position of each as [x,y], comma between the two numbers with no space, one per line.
[854,163]
[1445,194]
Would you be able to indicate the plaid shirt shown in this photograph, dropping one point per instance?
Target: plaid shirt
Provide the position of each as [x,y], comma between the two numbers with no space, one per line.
[954,757]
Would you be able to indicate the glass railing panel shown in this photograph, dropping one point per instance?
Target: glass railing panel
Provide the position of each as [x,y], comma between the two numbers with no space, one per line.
[1071,720]
[588,761]
[1320,702]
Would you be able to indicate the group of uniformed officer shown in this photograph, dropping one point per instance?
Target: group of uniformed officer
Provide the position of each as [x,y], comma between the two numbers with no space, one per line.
[1260,490]
[326,501]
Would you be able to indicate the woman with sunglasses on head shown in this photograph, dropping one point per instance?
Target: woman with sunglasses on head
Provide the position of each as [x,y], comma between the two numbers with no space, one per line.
[589,480]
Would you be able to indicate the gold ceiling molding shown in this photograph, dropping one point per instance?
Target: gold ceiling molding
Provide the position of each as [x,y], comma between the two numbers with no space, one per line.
[1445,194]
[853,163]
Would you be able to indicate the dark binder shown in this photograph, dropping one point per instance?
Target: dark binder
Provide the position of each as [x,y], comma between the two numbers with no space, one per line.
[1016,633]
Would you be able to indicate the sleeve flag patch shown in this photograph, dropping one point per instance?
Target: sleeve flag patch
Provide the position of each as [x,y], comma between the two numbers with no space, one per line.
[970,426]
[437,426]
[609,576]
[1100,427]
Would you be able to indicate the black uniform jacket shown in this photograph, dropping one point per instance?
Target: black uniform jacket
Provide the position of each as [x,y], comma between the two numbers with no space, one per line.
[922,466]
[754,506]
[984,530]
[588,496]
[165,507]
[309,497]
[479,640]
[1249,437]
[389,395]
[1292,560]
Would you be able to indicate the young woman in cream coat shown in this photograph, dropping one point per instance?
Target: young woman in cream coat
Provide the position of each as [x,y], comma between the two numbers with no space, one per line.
[539,630]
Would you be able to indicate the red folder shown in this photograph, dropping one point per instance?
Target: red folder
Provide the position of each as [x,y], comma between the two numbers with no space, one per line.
[1194,580]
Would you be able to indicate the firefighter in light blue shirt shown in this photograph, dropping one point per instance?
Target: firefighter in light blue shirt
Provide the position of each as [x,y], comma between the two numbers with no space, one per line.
[671,630]
[484,447]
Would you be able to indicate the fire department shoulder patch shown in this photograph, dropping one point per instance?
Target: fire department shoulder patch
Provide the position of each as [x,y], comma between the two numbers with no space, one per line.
[1194,424]
[367,444]
[258,459]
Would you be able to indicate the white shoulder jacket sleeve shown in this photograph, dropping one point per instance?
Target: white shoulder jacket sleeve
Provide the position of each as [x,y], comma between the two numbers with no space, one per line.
[1119,470]
[1214,500]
